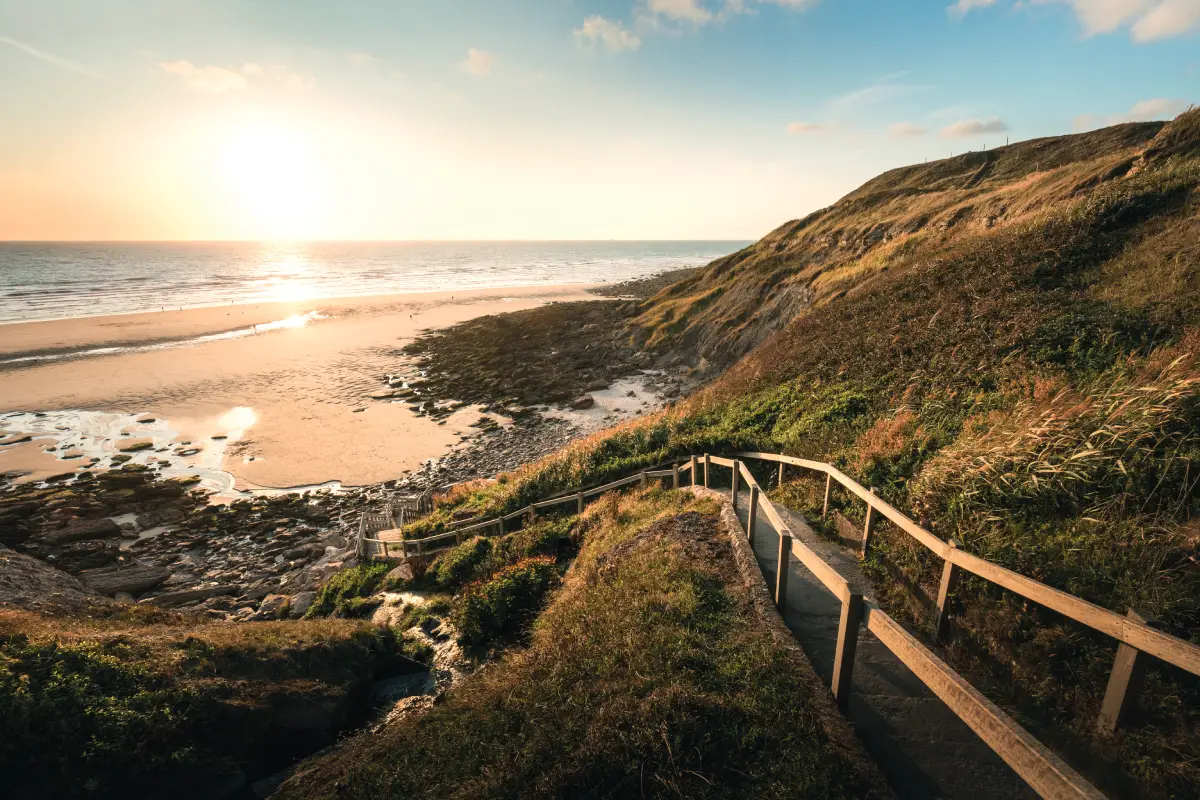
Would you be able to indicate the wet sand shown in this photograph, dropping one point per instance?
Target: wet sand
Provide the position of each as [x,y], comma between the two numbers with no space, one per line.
[293,401]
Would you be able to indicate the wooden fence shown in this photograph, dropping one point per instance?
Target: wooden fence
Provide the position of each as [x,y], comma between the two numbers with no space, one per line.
[1045,772]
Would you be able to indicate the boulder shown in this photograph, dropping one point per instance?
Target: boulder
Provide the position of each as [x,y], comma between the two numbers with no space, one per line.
[299,603]
[134,579]
[586,401]
[191,595]
[274,605]
[80,530]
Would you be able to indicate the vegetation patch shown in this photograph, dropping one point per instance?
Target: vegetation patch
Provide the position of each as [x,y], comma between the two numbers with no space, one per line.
[347,593]
[649,674]
[130,703]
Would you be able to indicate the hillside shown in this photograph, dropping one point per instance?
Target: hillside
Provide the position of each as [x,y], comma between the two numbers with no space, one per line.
[902,218]
[1004,345]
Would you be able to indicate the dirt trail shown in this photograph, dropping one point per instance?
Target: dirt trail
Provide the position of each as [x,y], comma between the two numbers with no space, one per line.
[923,748]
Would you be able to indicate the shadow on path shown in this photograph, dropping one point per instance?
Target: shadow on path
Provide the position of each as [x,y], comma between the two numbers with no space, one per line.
[923,748]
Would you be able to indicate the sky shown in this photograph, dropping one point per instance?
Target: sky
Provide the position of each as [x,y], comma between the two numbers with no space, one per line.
[536,119]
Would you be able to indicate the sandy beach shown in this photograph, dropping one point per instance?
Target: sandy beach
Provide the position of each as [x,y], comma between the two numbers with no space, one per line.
[290,404]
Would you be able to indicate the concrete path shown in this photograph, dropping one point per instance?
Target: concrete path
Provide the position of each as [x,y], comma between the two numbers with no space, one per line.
[923,748]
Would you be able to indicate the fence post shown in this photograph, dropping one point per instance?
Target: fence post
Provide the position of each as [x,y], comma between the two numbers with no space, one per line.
[828,489]
[733,492]
[420,548]
[868,528]
[674,476]
[941,623]
[847,643]
[707,464]
[458,536]
[695,469]
[752,516]
[644,479]
[1123,684]
[579,503]
[781,568]
[779,481]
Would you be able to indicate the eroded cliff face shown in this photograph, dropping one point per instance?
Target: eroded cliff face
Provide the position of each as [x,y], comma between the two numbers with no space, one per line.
[903,218]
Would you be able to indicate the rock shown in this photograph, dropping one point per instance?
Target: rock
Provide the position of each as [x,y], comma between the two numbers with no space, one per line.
[191,595]
[124,597]
[81,530]
[299,603]
[129,530]
[274,605]
[586,401]
[134,580]
[136,446]
[402,573]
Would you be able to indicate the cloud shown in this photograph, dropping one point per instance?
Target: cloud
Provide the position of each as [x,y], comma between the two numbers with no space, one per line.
[973,127]
[680,10]
[217,80]
[362,59]
[866,96]
[802,128]
[206,79]
[964,7]
[50,58]
[477,63]
[613,35]
[1147,20]
[649,15]
[905,130]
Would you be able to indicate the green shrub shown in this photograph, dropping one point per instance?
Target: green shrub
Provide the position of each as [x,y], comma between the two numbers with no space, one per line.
[350,584]
[458,565]
[503,605]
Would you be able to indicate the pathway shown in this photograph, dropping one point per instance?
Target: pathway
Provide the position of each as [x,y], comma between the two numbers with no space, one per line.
[923,748]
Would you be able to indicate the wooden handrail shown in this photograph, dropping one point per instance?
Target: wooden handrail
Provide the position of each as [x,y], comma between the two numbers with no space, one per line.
[1046,773]
[1180,653]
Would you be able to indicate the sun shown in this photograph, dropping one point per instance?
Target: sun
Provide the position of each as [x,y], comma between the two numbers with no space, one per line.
[270,174]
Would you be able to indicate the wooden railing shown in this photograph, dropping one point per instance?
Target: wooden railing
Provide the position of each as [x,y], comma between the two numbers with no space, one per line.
[1045,772]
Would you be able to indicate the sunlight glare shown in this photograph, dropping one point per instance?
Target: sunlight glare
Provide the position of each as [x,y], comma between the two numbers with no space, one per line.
[269,172]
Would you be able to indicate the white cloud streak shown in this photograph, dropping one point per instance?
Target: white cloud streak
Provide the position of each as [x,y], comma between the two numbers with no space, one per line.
[905,130]
[1147,20]
[477,63]
[217,80]
[964,7]
[613,36]
[50,58]
[966,128]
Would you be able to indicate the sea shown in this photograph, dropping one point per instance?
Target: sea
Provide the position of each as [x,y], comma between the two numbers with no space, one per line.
[44,281]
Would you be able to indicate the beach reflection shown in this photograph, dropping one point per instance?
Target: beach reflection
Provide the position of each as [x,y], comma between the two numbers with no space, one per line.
[285,271]
[236,420]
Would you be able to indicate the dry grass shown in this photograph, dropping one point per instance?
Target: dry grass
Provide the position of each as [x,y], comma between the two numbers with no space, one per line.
[648,675]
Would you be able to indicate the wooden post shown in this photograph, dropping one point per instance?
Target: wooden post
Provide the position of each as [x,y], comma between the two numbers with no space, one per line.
[1123,684]
[385,548]
[695,469]
[847,643]
[644,479]
[868,528]
[458,537]
[828,489]
[781,568]
[779,481]
[752,515]
[734,482]
[707,465]
[941,623]
[674,476]
[579,503]
[420,548]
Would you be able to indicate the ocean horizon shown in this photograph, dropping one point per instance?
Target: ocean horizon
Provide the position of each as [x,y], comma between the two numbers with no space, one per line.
[62,280]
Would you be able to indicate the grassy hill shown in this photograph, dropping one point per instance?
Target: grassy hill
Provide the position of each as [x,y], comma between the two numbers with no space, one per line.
[1003,343]
[650,673]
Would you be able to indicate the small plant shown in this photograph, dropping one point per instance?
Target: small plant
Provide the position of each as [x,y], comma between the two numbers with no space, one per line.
[336,596]
[503,605]
[458,565]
